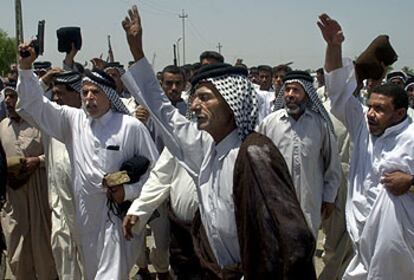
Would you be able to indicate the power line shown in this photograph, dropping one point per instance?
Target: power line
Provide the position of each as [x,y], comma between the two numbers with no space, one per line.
[157,8]
[198,34]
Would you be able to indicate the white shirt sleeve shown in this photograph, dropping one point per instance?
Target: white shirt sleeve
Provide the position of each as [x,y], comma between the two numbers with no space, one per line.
[181,136]
[156,189]
[53,119]
[341,84]
[143,146]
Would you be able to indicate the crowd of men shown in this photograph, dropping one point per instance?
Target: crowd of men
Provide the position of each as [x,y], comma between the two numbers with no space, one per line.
[235,170]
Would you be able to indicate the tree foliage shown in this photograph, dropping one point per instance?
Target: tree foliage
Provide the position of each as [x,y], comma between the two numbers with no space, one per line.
[8,52]
[408,70]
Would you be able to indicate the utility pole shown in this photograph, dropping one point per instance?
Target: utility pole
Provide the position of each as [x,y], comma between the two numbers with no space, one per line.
[175,54]
[183,17]
[178,51]
[153,60]
[219,46]
[19,22]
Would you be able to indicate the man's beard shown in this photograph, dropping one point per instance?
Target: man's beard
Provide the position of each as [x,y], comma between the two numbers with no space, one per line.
[297,109]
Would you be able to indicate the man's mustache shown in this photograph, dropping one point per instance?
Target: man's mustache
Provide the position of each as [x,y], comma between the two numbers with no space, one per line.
[90,104]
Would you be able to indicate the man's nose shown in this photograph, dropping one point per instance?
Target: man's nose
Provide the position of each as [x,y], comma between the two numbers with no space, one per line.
[195,104]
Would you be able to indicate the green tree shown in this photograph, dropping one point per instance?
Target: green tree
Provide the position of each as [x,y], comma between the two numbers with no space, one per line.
[408,70]
[8,52]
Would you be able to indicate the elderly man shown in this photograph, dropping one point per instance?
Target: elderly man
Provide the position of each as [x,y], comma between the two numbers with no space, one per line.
[379,204]
[99,139]
[225,108]
[25,217]
[302,130]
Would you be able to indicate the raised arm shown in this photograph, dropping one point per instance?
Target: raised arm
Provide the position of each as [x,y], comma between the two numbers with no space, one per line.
[181,136]
[51,118]
[340,78]
[333,36]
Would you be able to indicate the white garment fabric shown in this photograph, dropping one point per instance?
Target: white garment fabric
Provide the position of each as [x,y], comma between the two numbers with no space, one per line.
[159,254]
[265,100]
[168,179]
[322,94]
[311,154]
[210,165]
[64,239]
[380,224]
[337,246]
[129,104]
[410,113]
[107,254]
[155,134]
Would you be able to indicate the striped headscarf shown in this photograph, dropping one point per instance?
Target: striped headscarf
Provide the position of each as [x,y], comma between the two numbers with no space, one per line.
[69,78]
[306,81]
[236,89]
[107,84]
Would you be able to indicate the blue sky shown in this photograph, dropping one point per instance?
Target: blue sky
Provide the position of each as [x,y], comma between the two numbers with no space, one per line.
[260,32]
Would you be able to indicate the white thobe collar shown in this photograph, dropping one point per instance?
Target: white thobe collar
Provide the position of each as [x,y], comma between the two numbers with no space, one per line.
[231,141]
[102,120]
[393,129]
[285,115]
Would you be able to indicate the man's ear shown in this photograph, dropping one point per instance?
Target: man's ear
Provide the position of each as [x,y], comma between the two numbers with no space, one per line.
[400,114]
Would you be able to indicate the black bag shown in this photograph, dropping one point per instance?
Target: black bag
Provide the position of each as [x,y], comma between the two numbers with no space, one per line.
[68,35]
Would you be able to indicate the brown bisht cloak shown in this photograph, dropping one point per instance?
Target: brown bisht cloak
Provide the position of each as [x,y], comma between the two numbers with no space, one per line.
[275,240]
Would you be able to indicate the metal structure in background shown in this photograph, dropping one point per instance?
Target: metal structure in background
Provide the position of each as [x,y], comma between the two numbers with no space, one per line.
[178,51]
[110,52]
[175,54]
[219,46]
[19,22]
[183,17]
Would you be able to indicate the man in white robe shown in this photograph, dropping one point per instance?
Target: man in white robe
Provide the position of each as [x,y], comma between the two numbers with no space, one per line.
[302,130]
[208,154]
[226,112]
[99,139]
[379,204]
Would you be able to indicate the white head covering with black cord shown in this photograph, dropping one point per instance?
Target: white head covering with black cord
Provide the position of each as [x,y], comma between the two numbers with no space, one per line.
[107,84]
[236,89]
[306,81]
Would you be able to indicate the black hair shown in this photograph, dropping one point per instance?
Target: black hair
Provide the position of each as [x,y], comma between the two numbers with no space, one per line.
[173,70]
[399,96]
[67,87]
[320,71]
[281,67]
[265,68]
[211,55]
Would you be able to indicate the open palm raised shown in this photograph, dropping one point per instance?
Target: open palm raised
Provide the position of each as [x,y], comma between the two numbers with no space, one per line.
[331,30]
[133,31]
